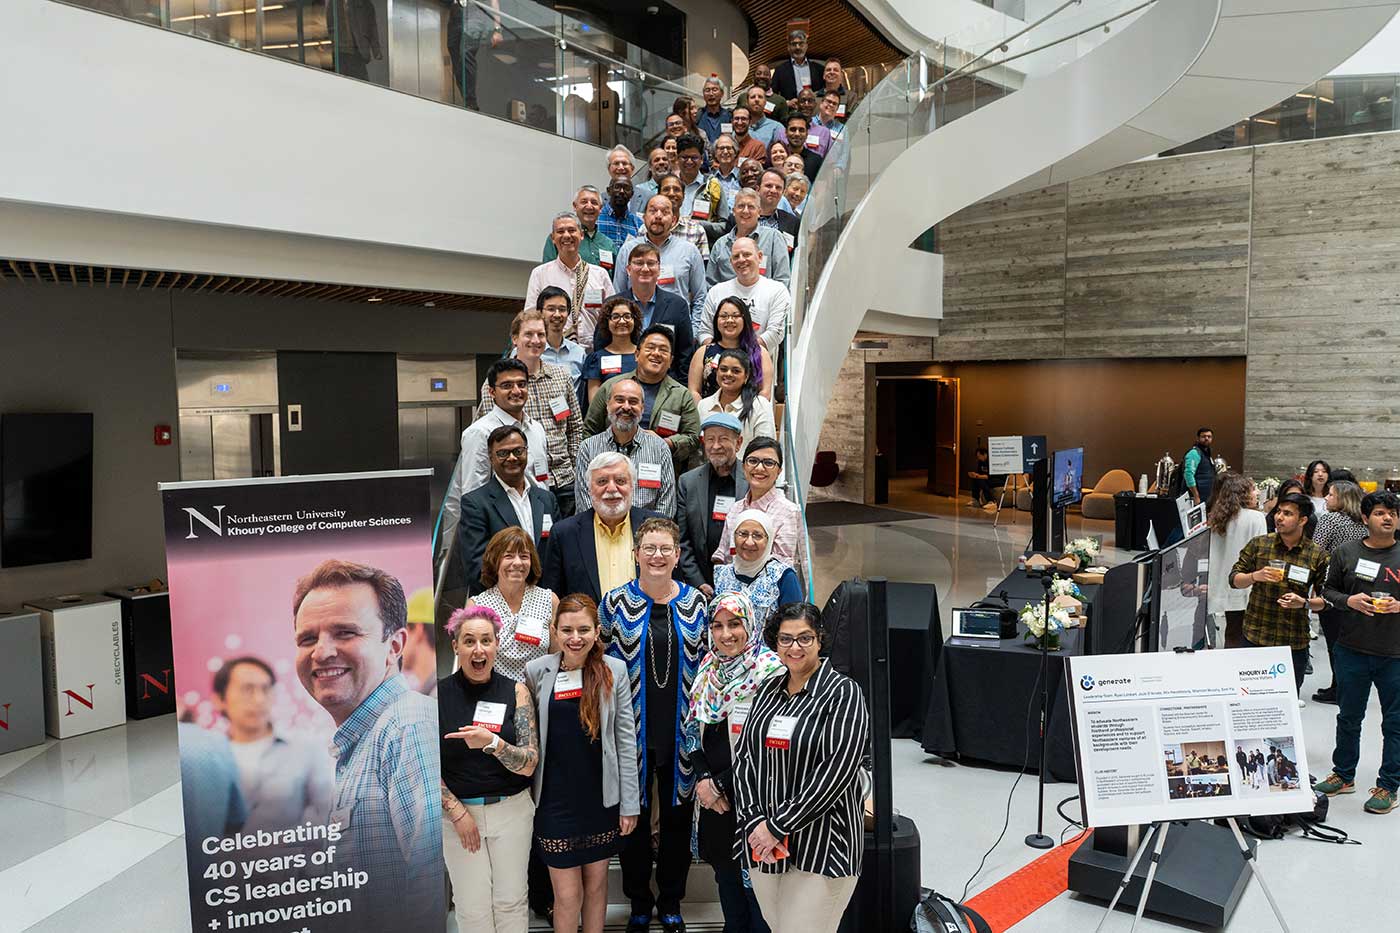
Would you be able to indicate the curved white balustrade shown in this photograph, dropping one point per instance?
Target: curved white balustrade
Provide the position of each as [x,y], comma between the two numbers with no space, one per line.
[1182,69]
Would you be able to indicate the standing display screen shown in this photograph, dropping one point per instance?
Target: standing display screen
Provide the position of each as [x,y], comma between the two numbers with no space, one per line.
[45,488]
[1066,477]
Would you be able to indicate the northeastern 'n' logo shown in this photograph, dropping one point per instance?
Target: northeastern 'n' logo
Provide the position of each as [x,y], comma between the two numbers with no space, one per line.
[216,526]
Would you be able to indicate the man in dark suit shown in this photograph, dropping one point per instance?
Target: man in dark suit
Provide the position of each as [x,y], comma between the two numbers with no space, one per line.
[705,496]
[506,501]
[798,71]
[658,306]
[591,552]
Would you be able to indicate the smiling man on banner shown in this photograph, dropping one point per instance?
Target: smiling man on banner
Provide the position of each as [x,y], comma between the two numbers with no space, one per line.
[350,633]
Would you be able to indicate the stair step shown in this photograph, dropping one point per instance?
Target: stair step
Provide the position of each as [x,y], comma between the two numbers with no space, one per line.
[699,918]
[699,885]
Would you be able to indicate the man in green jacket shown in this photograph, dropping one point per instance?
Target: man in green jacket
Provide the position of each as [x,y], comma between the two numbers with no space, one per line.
[669,409]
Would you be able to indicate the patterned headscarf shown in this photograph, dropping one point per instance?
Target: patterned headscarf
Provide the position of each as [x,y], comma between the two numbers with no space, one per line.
[722,682]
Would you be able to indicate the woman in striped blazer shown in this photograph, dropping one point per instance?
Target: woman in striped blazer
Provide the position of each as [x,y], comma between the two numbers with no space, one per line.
[798,781]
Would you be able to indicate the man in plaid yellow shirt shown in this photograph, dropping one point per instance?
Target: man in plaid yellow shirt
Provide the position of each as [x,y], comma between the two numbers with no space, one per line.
[1284,573]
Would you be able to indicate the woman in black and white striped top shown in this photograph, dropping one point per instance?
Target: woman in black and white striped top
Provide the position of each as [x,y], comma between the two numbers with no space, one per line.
[798,782]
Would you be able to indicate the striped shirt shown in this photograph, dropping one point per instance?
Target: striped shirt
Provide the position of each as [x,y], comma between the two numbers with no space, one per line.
[386,800]
[561,437]
[810,792]
[647,447]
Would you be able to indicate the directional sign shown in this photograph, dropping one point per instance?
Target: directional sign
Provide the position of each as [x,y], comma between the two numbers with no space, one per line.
[1015,453]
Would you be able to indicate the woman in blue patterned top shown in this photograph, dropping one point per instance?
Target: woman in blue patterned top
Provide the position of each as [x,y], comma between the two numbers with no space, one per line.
[767,581]
[656,625]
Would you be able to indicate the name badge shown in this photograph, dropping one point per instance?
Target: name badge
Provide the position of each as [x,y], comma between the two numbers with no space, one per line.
[841,111]
[667,277]
[790,241]
[780,732]
[763,266]
[592,297]
[769,107]
[813,143]
[1297,574]
[806,84]
[568,685]
[738,716]
[700,210]
[529,630]
[727,129]
[1367,569]
[668,423]
[649,475]
[542,474]
[605,258]
[611,364]
[546,523]
[1203,565]
[489,716]
[560,407]
[720,510]
[342,817]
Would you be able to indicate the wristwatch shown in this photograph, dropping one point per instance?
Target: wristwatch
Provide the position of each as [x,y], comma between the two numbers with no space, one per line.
[495,744]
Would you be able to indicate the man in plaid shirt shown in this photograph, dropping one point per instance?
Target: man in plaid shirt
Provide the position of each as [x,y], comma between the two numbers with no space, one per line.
[552,402]
[1284,573]
[350,631]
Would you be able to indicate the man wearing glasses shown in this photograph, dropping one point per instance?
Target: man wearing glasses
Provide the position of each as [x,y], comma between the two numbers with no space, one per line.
[506,502]
[703,198]
[650,455]
[682,270]
[763,466]
[658,306]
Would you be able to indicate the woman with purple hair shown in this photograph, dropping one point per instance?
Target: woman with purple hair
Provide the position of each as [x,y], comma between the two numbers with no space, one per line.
[489,751]
[734,330]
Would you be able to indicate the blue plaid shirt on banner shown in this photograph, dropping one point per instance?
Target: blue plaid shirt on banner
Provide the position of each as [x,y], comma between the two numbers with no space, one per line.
[388,805]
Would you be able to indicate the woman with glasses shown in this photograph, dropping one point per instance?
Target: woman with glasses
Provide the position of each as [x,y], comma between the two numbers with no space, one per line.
[656,625]
[737,394]
[624,322]
[510,569]
[734,330]
[729,677]
[763,467]
[766,581]
[799,777]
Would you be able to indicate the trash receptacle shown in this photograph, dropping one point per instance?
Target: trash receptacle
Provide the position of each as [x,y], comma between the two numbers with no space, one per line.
[1123,519]
[21,674]
[147,651]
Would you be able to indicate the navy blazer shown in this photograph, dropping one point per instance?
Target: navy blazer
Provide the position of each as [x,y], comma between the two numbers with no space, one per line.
[485,511]
[670,309]
[572,564]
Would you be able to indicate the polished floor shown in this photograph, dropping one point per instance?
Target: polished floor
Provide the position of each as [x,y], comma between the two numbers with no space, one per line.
[90,828]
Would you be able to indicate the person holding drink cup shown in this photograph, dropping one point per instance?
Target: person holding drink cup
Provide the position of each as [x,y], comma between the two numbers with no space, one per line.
[1285,571]
[1363,581]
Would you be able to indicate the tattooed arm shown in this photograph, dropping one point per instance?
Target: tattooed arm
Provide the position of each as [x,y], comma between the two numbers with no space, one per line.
[523,757]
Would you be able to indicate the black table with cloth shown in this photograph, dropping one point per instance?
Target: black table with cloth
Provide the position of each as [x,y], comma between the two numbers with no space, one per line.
[979,699]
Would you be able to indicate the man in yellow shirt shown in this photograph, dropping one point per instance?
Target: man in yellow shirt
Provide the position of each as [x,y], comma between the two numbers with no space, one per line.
[591,552]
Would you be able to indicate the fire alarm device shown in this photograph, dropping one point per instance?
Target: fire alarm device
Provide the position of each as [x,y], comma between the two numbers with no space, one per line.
[164,436]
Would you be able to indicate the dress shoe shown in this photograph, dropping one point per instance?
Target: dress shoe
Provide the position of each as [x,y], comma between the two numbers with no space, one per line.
[672,923]
[639,923]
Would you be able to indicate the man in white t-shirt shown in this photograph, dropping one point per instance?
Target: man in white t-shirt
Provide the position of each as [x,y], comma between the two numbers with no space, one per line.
[769,302]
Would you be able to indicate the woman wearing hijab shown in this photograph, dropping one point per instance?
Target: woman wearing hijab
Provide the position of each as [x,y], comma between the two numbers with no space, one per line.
[720,700]
[766,581]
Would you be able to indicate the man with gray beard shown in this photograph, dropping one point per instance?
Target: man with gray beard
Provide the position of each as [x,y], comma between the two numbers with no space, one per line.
[591,552]
[649,454]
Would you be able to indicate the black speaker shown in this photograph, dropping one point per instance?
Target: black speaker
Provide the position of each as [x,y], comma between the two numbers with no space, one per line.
[866,904]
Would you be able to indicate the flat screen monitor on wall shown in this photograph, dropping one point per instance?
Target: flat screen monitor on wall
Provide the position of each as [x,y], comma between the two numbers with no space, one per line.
[45,488]
[1066,476]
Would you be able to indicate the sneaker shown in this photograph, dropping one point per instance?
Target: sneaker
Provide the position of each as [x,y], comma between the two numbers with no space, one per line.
[639,923]
[1382,801]
[672,923]
[1308,669]
[1326,695]
[1302,702]
[1334,785]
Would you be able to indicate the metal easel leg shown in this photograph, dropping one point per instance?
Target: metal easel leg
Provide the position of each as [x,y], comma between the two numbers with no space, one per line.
[1151,874]
[1252,862]
[1001,499]
[1128,875]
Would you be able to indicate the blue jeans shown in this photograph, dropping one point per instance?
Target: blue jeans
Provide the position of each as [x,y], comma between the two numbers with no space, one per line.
[741,913]
[1300,661]
[1355,673]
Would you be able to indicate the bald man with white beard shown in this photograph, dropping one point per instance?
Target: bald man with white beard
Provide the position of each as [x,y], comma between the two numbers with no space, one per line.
[769,302]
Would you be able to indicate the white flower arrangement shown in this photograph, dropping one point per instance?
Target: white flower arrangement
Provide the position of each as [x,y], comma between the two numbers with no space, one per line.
[1086,549]
[1033,616]
[1267,488]
[1062,586]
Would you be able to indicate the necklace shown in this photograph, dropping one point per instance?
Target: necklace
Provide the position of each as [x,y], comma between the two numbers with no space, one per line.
[661,682]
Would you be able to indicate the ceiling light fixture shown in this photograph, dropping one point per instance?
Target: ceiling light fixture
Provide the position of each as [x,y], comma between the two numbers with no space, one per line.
[266,9]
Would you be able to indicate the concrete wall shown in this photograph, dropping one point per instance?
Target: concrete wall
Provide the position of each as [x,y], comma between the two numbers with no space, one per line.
[112,352]
[1282,256]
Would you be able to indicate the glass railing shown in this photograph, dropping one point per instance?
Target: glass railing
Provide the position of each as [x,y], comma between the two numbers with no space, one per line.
[939,83]
[512,59]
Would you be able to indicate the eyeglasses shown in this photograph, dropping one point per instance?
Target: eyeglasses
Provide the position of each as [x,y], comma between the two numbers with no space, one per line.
[750,536]
[766,463]
[695,157]
[802,641]
[512,385]
[515,453]
[657,550]
[729,316]
[724,149]
[620,317]
[643,263]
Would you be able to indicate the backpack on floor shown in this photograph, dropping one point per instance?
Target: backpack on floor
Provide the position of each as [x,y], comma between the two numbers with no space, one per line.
[1312,823]
[936,913]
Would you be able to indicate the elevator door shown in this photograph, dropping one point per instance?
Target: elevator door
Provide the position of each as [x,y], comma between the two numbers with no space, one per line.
[227,445]
[339,410]
[428,438]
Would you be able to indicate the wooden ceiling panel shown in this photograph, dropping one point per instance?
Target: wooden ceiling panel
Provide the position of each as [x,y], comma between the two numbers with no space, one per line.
[837,29]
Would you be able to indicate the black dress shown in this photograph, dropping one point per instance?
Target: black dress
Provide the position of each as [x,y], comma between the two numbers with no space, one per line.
[572,826]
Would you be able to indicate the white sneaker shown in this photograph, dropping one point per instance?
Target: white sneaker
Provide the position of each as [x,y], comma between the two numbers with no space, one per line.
[1302,702]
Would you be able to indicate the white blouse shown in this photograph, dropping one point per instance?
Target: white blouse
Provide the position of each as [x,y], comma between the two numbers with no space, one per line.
[1224,551]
